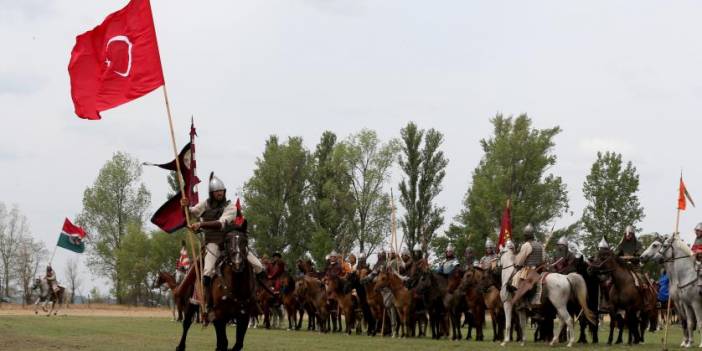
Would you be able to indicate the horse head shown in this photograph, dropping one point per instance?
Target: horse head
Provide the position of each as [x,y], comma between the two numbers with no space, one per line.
[655,251]
[237,246]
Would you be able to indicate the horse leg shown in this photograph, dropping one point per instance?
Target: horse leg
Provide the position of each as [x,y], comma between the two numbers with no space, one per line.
[187,321]
[221,332]
[508,322]
[241,327]
[522,323]
[620,324]
[564,320]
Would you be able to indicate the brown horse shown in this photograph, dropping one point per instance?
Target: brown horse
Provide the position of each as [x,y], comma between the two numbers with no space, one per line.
[402,297]
[232,293]
[344,299]
[291,302]
[625,296]
[311,292]
[375,301]
[475,281]
[180,301]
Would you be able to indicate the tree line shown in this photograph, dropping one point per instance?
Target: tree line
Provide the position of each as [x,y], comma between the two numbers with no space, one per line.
[338,196]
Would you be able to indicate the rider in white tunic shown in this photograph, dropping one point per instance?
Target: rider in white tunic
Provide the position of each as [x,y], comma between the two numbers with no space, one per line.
[214,214]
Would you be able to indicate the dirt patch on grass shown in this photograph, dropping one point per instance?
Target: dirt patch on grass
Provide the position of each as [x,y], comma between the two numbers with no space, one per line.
[91,310]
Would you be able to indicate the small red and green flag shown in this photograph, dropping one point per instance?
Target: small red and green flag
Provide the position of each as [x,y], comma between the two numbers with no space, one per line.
[72,237]
[684,195]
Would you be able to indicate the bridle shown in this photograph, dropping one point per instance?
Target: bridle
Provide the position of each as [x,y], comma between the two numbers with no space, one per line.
[669,246]
[665,247]
[235,253]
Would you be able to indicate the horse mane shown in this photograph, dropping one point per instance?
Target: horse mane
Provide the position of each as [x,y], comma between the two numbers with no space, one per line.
[679,244]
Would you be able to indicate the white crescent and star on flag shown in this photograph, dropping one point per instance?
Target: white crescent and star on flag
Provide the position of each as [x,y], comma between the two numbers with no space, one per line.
[109,62]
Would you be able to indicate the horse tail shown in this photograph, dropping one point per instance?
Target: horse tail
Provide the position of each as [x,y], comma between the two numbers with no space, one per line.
[580,291]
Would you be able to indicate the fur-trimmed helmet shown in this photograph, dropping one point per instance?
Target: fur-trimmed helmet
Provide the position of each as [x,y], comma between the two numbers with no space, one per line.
[562,241]
[405,251]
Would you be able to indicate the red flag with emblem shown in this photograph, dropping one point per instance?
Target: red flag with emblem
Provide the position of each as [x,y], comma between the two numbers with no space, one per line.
[505,226]
[116,62]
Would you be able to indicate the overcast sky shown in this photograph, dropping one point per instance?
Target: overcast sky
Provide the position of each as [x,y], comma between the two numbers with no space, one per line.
[624,76]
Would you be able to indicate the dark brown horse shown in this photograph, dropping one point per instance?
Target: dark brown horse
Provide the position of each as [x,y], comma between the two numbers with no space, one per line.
[625,295]
[375,301]
[180,301]
[476,282]
[232,293]
[291,301]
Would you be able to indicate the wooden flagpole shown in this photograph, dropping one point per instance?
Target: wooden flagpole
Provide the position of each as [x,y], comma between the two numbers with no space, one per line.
[53,254]
[190,235]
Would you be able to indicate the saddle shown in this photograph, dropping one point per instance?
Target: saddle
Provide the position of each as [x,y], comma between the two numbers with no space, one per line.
[530,284]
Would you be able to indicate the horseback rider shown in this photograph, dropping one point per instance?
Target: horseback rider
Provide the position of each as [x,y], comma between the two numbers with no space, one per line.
[629,248]
[362,261]
[396,264]
[334,268]
[275,270]
[697,246]
[51,279]
[407,261]
[527,262]
[469,257]
[565,260]
[380,264]
[449,263]
[487,261]
[417,253]
[214,215]
[352,261]
[183,263]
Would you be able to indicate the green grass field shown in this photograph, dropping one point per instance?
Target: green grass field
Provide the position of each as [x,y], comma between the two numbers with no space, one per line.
[123,333]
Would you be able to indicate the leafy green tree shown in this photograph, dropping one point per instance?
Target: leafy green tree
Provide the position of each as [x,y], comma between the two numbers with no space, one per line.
[277,199]
[134,265]
[612,203]
[425,169]
[369,166]
[116,201]
[331,200]
[515,165]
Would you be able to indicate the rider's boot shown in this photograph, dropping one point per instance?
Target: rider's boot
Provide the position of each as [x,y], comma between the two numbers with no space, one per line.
[209,303]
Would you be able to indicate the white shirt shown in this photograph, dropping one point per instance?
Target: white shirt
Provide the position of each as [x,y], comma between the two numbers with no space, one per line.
[227,215]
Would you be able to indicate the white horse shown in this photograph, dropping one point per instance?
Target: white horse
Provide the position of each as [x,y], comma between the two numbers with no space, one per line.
[46,296]
[683,288]
[559,290]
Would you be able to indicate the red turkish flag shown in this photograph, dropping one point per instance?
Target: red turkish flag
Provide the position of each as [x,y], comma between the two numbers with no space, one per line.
[116,62]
